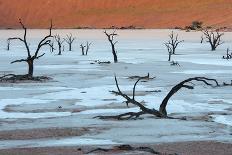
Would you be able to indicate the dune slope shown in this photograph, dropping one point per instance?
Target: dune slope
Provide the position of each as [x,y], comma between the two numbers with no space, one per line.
[107,13]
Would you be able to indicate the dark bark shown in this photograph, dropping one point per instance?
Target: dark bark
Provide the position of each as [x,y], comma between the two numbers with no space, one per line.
[59,43]
[8,45]
[174,63]
[82,49]
[52,46]
[110,37]
[228,55]
[169,56]
[128,149]
[30,63]
[87,47]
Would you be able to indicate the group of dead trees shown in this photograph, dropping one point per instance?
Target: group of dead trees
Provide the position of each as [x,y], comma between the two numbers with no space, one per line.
[48,40]
[69,40]
[213,37]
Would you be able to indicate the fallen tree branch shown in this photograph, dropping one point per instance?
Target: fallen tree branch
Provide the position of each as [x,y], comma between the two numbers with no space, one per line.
[128,148]
[162,112]
[125,116]
[146,77]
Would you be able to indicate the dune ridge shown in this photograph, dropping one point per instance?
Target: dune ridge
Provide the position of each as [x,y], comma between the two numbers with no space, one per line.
[119,13]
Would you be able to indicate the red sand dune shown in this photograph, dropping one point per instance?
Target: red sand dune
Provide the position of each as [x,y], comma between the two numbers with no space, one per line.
[107,13]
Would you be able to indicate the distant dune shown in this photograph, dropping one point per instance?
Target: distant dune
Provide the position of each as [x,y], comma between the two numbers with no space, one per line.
[118,13]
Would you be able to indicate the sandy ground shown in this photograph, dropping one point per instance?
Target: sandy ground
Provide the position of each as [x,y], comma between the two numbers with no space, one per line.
[57,116]
[186,148]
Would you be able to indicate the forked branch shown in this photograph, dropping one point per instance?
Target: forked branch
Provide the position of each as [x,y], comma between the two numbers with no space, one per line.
[69,40]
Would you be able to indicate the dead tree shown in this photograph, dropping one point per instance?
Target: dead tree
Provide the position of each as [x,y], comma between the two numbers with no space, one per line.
[170,52]
[162,112]
[213,37]
[8,45]
[59,43]
[110,37]
[82,49]
[52,45]
[228,55]
[85,48]
[69,40]
[173,43]
[31,57]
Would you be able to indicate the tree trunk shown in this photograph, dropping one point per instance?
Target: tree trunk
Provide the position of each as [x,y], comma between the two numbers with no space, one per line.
[173,50]
[83,51]
[114,54]
[169,58]
[213,48]
[30,63]
[8,47]
[70,47]
[60,50]
[164,103]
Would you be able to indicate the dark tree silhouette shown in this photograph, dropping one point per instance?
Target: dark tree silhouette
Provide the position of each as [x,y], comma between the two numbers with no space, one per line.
[213,37]
[8,45]
[59,43]
[173,43]
[228,55]
[69,40]
[162,112]
[82,49]
[110,37]
[31,57]
[169,51]
[85,48]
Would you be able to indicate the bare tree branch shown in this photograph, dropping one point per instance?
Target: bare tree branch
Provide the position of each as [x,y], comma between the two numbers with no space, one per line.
[30,58]
[213,37]
[44,41]
[59,42]
[21,60]
[110,37]
[69,39]
[172,44]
